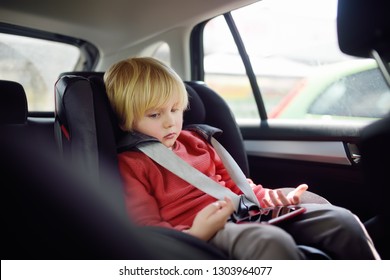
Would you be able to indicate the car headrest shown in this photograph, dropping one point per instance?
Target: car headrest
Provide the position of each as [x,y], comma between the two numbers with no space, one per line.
[364,25]
[85,74]
[61,89]
[13,103]
[196,112]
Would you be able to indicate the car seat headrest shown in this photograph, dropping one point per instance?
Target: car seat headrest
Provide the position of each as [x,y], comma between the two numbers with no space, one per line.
[62,87]
[364,25]
[13,103]
[85,74]
[196,112]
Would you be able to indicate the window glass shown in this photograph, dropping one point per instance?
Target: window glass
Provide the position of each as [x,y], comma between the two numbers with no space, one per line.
[36,65]
[301,72]
[159,50]
[163,53]
[225,72]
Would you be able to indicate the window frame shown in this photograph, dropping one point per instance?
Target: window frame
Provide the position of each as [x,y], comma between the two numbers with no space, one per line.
[197,54]
[89,53]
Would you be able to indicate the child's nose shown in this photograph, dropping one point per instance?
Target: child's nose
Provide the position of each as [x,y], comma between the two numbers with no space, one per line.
[169,120]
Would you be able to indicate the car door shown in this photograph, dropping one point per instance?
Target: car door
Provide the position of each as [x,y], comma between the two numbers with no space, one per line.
[261,58]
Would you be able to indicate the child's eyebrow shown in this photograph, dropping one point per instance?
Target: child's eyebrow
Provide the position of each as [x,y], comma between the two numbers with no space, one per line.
[163,106]
[151,110]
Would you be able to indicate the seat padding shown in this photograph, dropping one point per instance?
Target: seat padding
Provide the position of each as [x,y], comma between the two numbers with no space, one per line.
[13,103]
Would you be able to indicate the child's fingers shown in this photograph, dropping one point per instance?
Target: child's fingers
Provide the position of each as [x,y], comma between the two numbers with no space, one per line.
[275,198]
[300,189]
[295,195]
[267,203]
[282,198]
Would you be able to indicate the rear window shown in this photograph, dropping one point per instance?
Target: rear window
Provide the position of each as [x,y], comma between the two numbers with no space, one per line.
[36,64]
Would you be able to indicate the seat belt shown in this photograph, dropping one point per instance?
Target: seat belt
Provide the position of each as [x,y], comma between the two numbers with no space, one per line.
[234,171]
[168,159]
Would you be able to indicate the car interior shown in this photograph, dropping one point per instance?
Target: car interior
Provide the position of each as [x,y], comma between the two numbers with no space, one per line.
[62,194]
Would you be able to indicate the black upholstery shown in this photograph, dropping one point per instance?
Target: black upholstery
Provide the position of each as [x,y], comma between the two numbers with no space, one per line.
[84,126]
[13,103]
[375,151]
[85,74]
[85,138]
[14,115]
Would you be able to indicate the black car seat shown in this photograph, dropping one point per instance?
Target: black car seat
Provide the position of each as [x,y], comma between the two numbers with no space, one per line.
[97,115]
[83,125]
[363,29]
[86,132]
[13,103]
[13,110]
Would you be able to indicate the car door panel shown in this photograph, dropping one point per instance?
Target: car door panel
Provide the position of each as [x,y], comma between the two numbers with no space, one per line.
[323,155]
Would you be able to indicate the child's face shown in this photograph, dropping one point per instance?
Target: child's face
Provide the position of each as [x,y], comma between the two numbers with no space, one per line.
[164,123]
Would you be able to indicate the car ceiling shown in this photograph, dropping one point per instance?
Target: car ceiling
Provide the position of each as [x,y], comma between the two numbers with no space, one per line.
[112,24]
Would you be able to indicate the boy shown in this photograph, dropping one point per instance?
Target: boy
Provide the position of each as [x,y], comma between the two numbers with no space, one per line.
[149,98]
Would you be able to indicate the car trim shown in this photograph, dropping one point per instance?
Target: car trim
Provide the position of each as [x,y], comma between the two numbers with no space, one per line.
[318,151]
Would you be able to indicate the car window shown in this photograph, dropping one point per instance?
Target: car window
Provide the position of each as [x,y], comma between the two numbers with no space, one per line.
[301,72]
[36,64]
[159,50]
[225,71]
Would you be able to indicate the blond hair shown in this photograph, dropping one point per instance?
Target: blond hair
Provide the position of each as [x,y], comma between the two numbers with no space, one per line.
[136,85]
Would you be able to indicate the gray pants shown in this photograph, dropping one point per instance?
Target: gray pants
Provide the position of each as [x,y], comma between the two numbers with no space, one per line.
[331,229]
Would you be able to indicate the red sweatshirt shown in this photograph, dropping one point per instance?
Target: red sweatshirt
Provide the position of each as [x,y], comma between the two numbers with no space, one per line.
[155,196]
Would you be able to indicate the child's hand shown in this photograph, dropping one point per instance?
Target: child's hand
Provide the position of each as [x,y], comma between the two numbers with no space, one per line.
[250,182]
[211,219]
[277,198]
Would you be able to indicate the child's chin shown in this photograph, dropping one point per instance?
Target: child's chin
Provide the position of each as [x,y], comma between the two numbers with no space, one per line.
[169,144]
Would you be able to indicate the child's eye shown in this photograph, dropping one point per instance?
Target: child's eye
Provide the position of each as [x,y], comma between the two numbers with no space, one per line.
[154,115]
[173,110]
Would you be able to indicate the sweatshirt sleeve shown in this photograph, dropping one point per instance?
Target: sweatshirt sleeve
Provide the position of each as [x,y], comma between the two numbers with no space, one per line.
[143,209]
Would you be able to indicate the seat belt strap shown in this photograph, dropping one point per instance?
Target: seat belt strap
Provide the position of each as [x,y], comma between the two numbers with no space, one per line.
[234,171]
[169,160]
